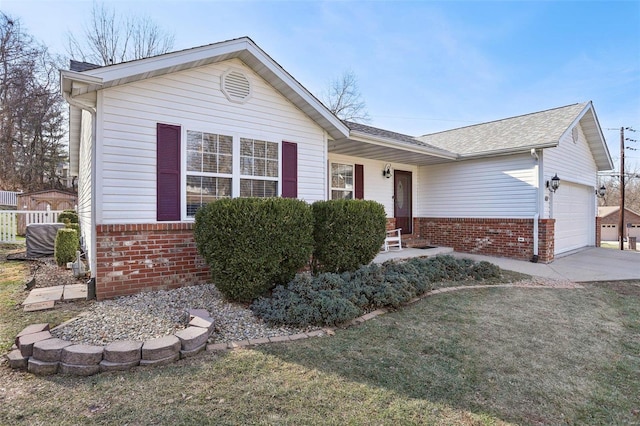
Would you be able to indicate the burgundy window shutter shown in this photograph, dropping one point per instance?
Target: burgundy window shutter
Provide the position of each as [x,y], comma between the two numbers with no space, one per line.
[168,171]
[289,170]
[359,183]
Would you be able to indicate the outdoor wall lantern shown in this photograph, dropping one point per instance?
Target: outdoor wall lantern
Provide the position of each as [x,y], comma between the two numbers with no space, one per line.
[554,183]
[601,191]
[386,172]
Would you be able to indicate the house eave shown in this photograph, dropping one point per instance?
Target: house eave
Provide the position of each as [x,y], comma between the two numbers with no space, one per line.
[366,138]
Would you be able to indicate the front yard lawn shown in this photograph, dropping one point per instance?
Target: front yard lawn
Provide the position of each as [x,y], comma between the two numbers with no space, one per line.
[483,356]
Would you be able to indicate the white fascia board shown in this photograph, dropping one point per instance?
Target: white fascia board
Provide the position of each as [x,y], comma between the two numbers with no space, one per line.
[68,78]
[390,143]
[600,144]
[167,60]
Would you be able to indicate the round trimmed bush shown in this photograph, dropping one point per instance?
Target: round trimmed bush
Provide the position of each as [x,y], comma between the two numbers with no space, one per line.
[253,244]
[68,216]
[347,234]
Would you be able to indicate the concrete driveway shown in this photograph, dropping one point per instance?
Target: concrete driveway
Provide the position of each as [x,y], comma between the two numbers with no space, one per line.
[590,264]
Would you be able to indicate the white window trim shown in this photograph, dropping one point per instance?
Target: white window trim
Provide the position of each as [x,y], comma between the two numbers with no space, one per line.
[235,165]
[353,185]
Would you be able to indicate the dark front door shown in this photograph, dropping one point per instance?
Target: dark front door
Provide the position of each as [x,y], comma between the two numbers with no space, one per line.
[402,200]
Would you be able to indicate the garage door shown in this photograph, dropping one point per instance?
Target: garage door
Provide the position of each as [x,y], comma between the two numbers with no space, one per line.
[574,211]
[609,233]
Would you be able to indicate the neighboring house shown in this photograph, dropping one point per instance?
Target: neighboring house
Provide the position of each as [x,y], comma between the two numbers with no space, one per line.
[610,221]
[151,140]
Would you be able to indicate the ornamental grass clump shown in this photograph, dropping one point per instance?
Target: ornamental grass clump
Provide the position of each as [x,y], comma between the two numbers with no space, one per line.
[331,298]
[253,244]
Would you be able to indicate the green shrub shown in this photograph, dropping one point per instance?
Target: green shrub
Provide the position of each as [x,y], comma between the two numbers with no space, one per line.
[76,227]
[330,298]
[68,216]
[253,244]
[66,245]
[347,234]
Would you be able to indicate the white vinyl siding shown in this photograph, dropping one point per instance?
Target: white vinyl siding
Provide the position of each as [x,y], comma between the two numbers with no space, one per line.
[377,187]
[193,100]
[85,187]
[500,187]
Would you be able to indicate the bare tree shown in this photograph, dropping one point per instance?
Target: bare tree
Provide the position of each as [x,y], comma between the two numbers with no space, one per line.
[631,189]
[343,98]
[31,111]
[109,38]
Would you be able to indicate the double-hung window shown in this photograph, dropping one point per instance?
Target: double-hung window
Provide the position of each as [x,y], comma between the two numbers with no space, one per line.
[258,168]
[342,181]
[209,168]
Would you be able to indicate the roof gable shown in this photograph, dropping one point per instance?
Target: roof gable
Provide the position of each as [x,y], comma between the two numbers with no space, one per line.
[79,83]
[522,133]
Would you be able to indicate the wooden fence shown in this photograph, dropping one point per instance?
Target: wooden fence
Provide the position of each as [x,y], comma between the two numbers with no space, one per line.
[9,220]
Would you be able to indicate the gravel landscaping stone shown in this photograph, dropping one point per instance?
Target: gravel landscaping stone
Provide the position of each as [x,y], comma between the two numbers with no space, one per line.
[150,315]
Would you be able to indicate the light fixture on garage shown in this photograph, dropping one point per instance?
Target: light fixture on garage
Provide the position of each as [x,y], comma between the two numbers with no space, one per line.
[386,172]
[601,191]
[554,183]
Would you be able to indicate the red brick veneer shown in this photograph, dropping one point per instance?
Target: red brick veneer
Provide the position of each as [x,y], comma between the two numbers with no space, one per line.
[598,231]
[493,237]
[138,257]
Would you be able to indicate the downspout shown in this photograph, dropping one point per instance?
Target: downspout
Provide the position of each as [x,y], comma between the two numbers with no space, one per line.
[536,216]
[91,284]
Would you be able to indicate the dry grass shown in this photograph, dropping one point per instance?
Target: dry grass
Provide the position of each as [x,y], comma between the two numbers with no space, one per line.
[475,357]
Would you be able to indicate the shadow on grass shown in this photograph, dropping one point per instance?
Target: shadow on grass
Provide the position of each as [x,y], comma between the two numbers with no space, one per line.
[532,356]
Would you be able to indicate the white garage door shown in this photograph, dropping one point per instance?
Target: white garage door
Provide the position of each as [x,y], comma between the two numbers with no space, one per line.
[609,233]
[574,212]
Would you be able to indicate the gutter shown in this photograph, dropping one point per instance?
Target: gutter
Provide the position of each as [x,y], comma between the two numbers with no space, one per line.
[518,150]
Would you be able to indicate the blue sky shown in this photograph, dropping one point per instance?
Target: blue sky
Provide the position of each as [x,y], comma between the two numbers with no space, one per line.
[422,66]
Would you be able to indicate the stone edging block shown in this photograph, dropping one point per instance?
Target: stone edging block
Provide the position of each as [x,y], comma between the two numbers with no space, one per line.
[42,368]
[33,328]
[122,352]
[192,338]
[79,370]
[117,366]
[25,343]
[49,350]
[82,355]
[160,349]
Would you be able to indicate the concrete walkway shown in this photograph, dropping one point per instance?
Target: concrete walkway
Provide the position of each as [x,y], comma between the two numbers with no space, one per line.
[590,264]
[45,297]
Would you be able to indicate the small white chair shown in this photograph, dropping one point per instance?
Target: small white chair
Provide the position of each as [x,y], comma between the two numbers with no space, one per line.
[393,239]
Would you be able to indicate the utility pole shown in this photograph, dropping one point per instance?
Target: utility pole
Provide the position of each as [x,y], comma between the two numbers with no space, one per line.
[621,218]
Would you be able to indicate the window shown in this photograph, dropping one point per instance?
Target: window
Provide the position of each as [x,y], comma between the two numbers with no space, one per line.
[258,168]
[214,172]
[341,181]
[209,168]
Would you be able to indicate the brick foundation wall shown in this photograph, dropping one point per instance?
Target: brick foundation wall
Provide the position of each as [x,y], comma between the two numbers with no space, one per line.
[145,257]
[492,237]
[598,231]
[546,240]
[391,223]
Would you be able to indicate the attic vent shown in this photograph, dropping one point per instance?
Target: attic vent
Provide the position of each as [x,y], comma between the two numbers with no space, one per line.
[236,86]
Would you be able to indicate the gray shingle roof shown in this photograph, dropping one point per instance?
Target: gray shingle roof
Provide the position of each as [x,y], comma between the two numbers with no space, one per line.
[82,66]
[387,134]
[524,131]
